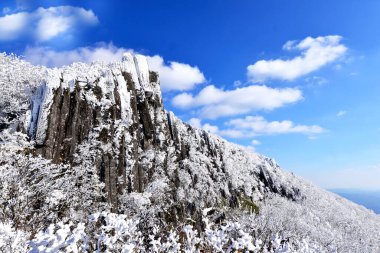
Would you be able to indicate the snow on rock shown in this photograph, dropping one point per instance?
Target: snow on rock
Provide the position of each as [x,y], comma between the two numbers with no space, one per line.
[142,71]
[44,102]
[129,66]
[102,143]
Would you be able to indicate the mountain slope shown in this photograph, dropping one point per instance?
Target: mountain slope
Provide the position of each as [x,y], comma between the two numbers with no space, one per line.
[95,139]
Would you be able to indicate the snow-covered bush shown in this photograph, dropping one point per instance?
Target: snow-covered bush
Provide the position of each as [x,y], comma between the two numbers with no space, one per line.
[107,232]
[12,240]
[18,80]
[165,180]
[102,232]
[36,193]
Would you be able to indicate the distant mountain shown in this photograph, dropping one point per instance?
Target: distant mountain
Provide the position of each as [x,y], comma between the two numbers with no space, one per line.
[90,161]
[369,199]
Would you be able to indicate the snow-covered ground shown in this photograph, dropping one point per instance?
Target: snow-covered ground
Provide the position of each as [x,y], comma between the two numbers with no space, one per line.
[197,192]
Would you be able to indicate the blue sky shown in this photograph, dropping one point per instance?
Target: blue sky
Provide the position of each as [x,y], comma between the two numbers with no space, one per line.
[294,80]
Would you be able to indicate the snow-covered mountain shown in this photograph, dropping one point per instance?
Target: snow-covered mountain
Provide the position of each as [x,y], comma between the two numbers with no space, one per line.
[91,161]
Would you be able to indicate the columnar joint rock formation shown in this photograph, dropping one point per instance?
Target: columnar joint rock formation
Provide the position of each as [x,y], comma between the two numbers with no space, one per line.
[118,110]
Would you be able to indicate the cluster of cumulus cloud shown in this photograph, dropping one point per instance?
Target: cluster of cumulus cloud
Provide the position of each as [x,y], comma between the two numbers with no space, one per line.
[44,24]
[207,103]
[173,75]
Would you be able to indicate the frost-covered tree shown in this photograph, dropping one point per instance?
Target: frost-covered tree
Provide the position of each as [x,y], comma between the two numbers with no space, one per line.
[183,190]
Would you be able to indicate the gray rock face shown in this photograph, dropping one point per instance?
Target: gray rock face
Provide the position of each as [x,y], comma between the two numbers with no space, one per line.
[118,111]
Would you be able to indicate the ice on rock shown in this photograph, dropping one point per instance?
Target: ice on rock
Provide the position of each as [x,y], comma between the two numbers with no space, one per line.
[129,66]
[142,71]
[44,106]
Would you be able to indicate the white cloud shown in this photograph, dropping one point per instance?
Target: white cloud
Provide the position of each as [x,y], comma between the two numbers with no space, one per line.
[175,76]
[315,53]
[51,58]
[214,102]
[255,142]
[50,26]
[252,147]
[11,26]
[45,23]
[210,128]
[196,122]
[341,113]
[235,133]
[251,126]
[315,82]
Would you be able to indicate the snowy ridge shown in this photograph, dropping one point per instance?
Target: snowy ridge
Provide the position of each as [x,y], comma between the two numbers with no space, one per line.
[105,168]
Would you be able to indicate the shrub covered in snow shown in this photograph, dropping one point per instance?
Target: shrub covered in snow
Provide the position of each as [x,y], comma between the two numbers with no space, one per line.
[249,203]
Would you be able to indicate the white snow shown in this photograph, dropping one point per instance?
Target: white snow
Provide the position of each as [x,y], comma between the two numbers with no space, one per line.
[314,221]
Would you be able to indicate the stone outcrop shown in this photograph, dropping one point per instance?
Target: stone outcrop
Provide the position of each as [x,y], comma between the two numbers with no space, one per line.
[118,111]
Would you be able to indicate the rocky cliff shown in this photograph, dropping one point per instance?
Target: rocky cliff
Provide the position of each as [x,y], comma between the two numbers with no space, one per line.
[118,110]
[91,161]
